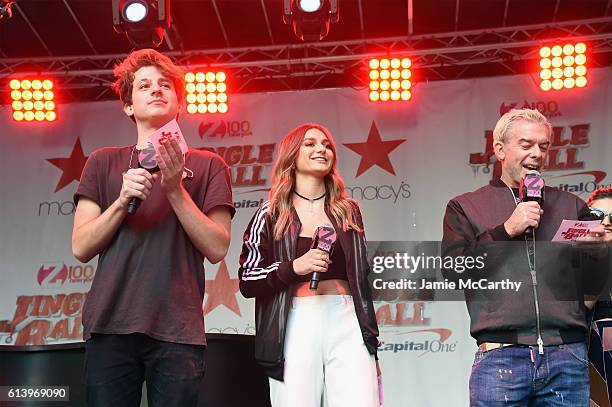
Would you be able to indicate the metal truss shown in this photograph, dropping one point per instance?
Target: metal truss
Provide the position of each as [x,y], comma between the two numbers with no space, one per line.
[433,54]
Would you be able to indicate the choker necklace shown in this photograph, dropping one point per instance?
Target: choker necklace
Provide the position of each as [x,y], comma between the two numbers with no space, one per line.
[311,200]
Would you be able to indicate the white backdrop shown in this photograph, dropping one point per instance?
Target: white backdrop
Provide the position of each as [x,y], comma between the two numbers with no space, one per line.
[415,157]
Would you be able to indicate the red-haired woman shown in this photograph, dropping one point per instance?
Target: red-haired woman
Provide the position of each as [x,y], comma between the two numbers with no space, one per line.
[311,343]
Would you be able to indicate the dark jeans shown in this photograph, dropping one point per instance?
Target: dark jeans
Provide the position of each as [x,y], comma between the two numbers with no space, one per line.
[117,365]
[519,376]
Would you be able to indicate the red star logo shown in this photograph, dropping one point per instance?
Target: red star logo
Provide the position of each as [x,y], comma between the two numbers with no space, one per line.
[374,151]
[222,291]
[71,167]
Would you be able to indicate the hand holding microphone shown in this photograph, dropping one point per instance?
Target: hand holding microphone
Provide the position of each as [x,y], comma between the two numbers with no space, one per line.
[323,239]
[138,182]
[314,260]
[526,216]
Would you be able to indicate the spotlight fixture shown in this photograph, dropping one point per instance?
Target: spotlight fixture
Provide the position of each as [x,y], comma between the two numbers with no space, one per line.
[33,100]
[390,79]
[142,21]
[206,92]
[563,66]
[310,18]
[6,11]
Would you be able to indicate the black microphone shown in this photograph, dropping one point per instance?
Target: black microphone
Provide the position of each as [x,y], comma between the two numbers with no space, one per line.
[323,239]
[146,160]
[532,190]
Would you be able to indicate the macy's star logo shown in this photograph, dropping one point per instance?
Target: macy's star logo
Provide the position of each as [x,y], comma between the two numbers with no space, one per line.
[222,291]
[71,167]
[374,151]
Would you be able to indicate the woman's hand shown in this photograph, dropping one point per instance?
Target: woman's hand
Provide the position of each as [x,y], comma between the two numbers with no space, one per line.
[313,260]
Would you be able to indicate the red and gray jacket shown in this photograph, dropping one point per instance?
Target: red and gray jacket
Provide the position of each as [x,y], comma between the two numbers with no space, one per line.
[266,273]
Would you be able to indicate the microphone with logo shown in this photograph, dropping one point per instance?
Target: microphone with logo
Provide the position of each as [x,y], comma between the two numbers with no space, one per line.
[323,239]
[146,160]
[532,190]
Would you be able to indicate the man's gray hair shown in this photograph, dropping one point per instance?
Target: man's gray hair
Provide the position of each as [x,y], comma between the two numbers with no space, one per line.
[503,128]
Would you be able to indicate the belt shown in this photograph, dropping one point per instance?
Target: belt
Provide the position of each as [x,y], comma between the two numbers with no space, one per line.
[487,346]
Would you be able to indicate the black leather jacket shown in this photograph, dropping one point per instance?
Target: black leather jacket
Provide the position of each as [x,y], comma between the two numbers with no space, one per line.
[266,273]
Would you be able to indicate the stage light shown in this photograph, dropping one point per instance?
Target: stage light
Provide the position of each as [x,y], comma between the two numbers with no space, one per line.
[206,92]
[32,100]
[135,11]
[143,21]
[391,77]
[6,10]
[310,18]
[566,69]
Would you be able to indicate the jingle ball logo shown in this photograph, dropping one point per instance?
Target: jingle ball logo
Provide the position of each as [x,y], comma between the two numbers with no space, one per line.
[218,130]
[56,274]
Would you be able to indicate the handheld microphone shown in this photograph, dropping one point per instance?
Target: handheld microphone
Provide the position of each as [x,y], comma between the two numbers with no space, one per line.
[323,239]
[146,160]
[532,189]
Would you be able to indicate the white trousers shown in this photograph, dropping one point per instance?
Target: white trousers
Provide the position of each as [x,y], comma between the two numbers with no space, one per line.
[326,361]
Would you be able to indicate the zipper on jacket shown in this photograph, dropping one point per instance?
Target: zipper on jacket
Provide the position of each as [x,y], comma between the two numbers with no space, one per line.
[530,242]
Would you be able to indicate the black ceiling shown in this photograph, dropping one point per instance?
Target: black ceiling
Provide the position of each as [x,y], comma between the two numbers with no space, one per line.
[50,28]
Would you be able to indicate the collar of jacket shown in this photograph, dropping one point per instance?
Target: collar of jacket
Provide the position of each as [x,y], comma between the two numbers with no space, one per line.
[498,183]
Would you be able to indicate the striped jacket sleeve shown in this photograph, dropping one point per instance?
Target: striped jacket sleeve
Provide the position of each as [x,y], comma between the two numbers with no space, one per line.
[258,273]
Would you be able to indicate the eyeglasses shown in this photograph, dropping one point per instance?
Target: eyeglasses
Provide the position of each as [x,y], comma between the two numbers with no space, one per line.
[598,214]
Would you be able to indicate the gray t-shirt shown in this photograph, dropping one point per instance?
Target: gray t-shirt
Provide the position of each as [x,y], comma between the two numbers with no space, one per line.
[150,277]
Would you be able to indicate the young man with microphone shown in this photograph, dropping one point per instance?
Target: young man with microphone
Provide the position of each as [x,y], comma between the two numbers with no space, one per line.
[143,315]
[531,344]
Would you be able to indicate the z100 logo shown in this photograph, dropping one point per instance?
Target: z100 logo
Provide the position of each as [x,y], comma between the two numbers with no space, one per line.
[55,274]
[548,109]
[219,129]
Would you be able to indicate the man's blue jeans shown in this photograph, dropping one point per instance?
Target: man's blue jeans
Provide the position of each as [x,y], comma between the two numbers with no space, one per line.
[519,376]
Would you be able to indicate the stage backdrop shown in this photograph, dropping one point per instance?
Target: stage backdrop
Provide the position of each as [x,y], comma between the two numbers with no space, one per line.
[401,161]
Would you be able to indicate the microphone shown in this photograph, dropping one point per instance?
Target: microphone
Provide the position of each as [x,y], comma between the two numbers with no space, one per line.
[146,160]
[323,239]
[532,189]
